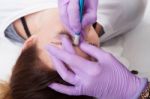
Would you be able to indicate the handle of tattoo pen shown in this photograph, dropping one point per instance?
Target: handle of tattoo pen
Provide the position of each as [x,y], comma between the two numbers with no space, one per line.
[77,35]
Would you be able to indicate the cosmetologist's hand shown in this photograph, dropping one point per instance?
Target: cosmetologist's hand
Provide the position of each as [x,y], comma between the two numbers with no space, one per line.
[70,15]
[105,78]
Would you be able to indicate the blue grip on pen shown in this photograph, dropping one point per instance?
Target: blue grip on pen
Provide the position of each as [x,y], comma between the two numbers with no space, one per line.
[81,5]
[77,35]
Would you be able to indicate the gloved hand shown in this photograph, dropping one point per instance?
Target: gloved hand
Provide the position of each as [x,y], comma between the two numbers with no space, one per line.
[69,12]
[105,79]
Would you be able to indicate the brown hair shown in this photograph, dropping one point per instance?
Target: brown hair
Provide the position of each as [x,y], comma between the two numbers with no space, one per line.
[30,78]
[5,90]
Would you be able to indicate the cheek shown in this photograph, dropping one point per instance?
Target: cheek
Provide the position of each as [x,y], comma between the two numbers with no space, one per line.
[92,37]
[46,59]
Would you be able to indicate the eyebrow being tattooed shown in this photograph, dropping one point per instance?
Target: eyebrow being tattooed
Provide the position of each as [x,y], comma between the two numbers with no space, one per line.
[71,39]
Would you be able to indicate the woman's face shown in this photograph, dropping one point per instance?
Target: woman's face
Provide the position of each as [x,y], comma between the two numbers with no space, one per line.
[50,33]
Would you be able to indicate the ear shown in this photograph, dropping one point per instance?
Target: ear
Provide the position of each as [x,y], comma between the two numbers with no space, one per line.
[29,42]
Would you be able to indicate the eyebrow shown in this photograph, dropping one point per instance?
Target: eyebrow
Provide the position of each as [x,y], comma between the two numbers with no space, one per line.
[64,33]
[71,38]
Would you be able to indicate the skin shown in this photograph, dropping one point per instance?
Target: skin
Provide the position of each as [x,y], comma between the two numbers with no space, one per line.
[47,28]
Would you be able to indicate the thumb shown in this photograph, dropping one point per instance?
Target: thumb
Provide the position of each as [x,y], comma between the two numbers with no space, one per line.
[89,19]
[91,50]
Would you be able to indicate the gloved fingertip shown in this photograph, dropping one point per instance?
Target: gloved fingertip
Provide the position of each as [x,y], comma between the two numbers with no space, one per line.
[51,86]
[64,38]
[54,86]
[83,44]
[77,29]
[50,48]
[63,1]
[57,87]
[89,19]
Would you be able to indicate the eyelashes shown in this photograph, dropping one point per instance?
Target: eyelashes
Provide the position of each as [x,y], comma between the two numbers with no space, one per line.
[92,44]
[71,39]
[59,43]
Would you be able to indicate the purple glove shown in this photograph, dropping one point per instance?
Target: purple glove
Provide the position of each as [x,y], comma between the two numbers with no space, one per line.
[69,12]
[105,79]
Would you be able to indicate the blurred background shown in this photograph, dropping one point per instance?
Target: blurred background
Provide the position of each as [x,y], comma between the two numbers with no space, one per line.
[137,46]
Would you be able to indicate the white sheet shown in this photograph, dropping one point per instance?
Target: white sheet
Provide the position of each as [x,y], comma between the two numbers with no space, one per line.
[8,54]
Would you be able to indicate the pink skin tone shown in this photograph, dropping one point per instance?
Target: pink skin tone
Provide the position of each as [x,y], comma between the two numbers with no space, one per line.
[46,28]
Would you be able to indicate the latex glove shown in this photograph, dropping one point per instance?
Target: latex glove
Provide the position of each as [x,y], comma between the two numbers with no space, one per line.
[105,79]
[69,12]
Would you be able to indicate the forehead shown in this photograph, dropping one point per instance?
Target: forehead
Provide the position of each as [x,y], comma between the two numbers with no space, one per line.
[55,36]
[44,39]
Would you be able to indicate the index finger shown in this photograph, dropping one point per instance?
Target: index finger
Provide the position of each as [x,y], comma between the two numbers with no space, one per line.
[75,62]
[74,15]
